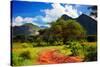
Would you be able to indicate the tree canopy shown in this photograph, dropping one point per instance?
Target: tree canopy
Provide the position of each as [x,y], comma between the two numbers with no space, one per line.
[64,30]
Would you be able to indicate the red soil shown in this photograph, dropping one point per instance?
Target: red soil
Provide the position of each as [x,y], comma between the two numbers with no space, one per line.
[53,57]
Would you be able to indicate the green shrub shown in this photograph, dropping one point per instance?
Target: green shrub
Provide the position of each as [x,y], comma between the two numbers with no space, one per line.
[21,59]
[42,43]
[16,60]
[25,45]
[74,46]
[57,43]
[26,54]
[34,44]
[90,53]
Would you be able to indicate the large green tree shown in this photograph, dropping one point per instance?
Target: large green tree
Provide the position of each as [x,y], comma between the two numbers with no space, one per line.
[62,30]
[67,30]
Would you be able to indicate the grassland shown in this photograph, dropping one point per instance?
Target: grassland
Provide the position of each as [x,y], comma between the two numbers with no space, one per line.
[18,48]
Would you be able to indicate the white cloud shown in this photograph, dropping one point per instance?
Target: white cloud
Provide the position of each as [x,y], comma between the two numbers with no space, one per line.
[70,11]
[58,10]
[54,13]
[18,21]
[28,20]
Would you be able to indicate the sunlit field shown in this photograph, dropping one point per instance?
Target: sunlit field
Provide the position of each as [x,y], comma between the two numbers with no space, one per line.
[34,52]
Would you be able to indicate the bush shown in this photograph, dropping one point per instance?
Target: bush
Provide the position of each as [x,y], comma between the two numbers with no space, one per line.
[90,53]
[75,47]
[21,59]
[58,43]
[42,43]
[25,45]
[16,60]
[34,44]
[26,55]
[38,44]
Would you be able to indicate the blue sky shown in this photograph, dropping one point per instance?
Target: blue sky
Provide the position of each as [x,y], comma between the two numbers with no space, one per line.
[40,13]
[30,9]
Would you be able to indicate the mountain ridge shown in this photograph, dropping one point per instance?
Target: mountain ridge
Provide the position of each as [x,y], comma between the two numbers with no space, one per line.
[86,21]
[26,29]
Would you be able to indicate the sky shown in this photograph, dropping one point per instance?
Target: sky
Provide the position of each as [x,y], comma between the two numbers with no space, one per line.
[42,13]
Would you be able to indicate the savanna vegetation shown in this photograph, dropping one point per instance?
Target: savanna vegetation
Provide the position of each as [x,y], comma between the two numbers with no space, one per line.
[66,41]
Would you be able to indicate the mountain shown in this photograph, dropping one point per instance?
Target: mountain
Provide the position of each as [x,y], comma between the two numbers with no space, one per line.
[87,22]
[31,26]
[66,17]
[26,29]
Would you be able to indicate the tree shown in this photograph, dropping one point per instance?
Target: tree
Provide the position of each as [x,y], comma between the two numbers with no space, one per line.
[73,30]
[62,30]
[67,30]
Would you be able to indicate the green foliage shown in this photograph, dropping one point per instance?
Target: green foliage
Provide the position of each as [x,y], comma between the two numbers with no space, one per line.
[39,42]
[16,60]
[26,54]
[85,50]
[90,53]
[34,44]
[75,47]
[34,27]
[42,43]
[58,43]
[25,45]
[73,30]
[65,30]
[19,59]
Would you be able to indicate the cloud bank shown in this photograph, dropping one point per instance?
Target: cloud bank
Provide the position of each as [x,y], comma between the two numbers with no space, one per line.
[58,10]
[18,21]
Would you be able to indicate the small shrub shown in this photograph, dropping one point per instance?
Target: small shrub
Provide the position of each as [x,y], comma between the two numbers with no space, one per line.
[21,59]
[58,43]
[34,44]
[90,53]
[26,55]
[16,60]
[75,47]
[43,43]
[25,45]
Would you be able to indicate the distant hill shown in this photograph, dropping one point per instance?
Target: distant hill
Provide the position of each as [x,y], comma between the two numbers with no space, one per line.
[31,26]
[26,29]
[86,21]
